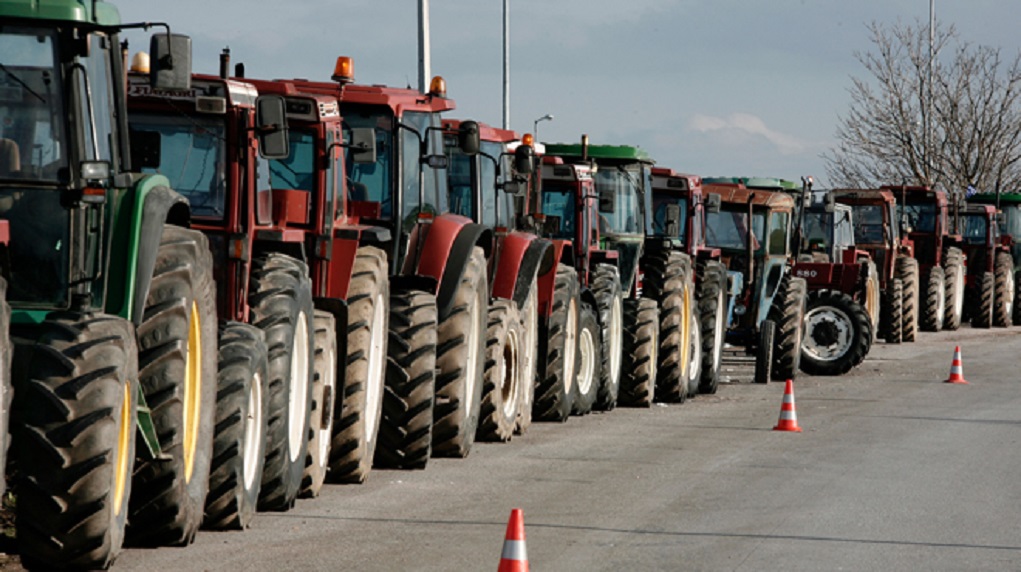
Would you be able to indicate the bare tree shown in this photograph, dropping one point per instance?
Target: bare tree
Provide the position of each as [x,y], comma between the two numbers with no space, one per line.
[963,129]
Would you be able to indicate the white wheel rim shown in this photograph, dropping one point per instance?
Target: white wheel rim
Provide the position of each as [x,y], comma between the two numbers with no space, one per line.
[374,380]
[474,311]
[616,345]
[586,369]
[529,341]
[1008,303]
[695,352]
[509,374]
[570,345]
[325,434]
[253,431]
[958,295]
[827,316]
[718,347]
[941,304]
[296,409]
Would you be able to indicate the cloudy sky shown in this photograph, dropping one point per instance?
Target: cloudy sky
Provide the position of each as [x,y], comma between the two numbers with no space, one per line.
[716,88]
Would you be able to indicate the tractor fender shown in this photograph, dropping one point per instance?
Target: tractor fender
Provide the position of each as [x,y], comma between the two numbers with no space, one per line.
[521,256]
[559,251]
[470,236]
[160,205]
[537,261]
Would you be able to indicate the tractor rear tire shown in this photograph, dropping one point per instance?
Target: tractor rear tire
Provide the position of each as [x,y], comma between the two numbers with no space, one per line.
[357,409]
[405,429]
[934,310]
[281,306]
[75,440]
[589,361]
[529,359]
[501,379]
[1003,303]
[983,316]
[893,302]
[239,444]
[177,371]
[712,311]
[668,282]
[641,344]
[558,350]
[6,388]
[694,372]
[610,305]
[907,270]
[838,334]
[324,392]
[460,357]
[953,271]
[788,313]
[764,352]
[1016,314]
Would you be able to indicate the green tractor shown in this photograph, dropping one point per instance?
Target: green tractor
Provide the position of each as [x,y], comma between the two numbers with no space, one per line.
[113,310]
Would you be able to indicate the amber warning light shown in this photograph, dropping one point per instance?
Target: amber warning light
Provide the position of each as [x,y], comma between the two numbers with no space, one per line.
[527,139]
[438,87]
[344,70]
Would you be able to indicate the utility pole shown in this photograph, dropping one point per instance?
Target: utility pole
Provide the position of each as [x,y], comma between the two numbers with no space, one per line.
[928,96]
[506,64]
[424,64]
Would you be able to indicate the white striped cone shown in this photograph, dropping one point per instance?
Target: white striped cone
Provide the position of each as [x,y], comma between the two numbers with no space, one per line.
[515,557]
[788,417]
[956,369]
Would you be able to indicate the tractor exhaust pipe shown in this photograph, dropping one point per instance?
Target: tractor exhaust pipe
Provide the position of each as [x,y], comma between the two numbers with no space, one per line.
[584,147]
[225,63]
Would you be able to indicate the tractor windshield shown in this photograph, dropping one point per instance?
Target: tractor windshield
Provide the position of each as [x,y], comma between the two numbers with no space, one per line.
[659,222]
[868,224]
[729,230]
[559,202]
[975,227]
[297,171]
[921,216]
[371,181]
[460,173]
[818,231]
[191,155]
[626,186]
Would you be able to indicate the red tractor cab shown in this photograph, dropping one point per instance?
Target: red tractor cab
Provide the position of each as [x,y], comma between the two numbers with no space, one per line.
[990,275]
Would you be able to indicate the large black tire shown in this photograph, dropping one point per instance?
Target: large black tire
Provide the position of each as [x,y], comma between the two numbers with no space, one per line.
[838,334]
[934,309]
[1003,302]
[460,357]
[405,430]
[641,344]
[177,370]
[788,313]
[281,306]
[357,410]
[983,314]
[953,272]
[712,309]
[610,306]
[764,352]
[529,359]
[668,282]
[893,301]
[588,362]
[906,269]
[242,412]
[324,392]
[75,440]
[558,350]
[6,389]
[501,379]
[1016,314]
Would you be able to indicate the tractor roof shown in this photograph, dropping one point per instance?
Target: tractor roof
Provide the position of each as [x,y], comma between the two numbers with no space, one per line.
[614,153]
[740,194]
[764,183]
[397,99]
[864,195]
[486,132]
[664,179]
[83,11]
[1009,198]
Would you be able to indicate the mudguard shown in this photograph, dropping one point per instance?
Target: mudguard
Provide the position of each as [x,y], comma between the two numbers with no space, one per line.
[158,206]
[521,257]
[773,270]
[457,256]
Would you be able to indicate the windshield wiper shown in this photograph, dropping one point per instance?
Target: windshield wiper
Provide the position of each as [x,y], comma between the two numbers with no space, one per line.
[11,75]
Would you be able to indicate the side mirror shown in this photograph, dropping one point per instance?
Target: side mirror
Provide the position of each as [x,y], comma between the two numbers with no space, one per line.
[712,203]
[607,204]
[512,187]
[271,127]
[673,220]
[436,161]
[146,149]
[468,138]
[170,58]
[830,204]
[524,159]
[363,145]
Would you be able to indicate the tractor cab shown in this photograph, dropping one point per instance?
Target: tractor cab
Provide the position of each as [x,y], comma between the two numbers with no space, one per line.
[827,232]
[679,207]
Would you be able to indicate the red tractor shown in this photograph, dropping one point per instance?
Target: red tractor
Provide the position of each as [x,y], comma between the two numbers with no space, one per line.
[397,180]
[484,187]
[679,207]
[990,273]
[208,141]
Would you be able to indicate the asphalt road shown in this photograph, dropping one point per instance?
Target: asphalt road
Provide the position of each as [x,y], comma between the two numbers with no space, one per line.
[895,470]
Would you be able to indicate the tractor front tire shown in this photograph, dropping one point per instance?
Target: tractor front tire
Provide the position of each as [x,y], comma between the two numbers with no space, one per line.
[838,334]
[907,271]
[558,350]
[668,282]
[764,352]
[953,272]
[788,313]
[239,444]
[934,310]
[177,340]
[610,306]
[1003,303]
[641,344]
[324,392]
[501,379]
[529,359]
[893,316]
[75,440]
[983,315]
[712,310]
[589,361]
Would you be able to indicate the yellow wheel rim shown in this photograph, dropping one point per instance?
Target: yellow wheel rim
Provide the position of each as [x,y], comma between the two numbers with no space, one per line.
[192,390]
[685,331]
[123,451]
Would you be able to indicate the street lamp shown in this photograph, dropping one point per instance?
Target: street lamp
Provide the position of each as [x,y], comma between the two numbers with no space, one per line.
[535,125]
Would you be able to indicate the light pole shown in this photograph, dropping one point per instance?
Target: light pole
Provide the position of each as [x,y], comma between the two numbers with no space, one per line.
[535,125]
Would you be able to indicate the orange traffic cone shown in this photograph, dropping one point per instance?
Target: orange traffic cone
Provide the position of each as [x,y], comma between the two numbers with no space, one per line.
[788,417]
[956,371]
[515,557]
